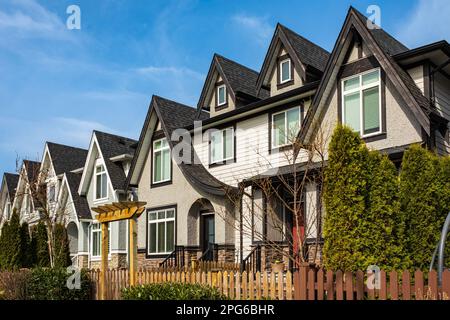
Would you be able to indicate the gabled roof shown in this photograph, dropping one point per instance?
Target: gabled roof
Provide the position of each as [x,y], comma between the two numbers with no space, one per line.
[32,170]
[111,146]
[174,115]
[11,180]
[238,78]
[382,45]
[301,50]
[66,158]
[80,203]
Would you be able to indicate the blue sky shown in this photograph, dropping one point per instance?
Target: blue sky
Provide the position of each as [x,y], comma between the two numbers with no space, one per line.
[58,84]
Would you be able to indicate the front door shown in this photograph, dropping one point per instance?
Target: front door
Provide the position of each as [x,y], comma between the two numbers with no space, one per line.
[208,234]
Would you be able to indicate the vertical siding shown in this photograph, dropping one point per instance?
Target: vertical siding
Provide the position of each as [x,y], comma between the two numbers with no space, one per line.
[442,102]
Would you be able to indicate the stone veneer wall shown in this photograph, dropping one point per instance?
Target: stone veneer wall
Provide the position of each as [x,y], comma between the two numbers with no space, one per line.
[118,260]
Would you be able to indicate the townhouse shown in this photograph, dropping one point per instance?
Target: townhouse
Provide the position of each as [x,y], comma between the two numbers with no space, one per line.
[202,170]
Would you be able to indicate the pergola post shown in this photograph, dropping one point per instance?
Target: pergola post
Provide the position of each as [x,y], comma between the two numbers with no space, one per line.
[117,211]
[104,264]
[133,250]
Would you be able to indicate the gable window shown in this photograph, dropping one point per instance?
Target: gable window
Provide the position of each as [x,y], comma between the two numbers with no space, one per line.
[161,231]
[51,193]
[96,240]
[361,103]
[221,95]
[8,210]
[285,127]
[101,183]
[222,145]
[285,71]
[161,161]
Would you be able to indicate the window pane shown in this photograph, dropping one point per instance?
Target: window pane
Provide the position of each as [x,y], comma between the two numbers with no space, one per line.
[351,111]
[216,146]
[285,72]
[157,167]
[221,95]
[166,165]
[293,119]
[352,83]
[152,216]
[371,109]
[228,146]
[104,186]
[95,244]
[170,214]
[161,237]
[164,143]
[279,129]
[157,145]
[161,215]
[152,238]
[170,243]
[98,187]
[370,78]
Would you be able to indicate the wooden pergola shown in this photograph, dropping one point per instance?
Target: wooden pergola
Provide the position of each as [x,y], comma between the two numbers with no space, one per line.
[126,210]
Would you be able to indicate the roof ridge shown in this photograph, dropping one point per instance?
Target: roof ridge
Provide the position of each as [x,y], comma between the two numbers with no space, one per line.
[64,145]
[113,135]
[302,37]
[235,62]
[173,101]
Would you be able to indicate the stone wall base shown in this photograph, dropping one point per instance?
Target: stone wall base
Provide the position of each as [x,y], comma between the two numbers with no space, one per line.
[117,260]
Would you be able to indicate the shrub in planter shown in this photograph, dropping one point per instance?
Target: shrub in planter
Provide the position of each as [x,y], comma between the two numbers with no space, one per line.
[172,291]
[51,284]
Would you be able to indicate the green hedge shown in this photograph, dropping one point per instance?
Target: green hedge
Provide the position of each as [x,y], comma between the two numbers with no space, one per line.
[172,291]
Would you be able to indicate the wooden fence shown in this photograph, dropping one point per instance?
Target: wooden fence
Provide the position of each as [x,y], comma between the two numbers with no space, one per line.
[302,285]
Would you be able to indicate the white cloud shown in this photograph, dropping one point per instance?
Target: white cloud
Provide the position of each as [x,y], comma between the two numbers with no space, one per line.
[28,19]
[258,27]
[154,71]
[427,23]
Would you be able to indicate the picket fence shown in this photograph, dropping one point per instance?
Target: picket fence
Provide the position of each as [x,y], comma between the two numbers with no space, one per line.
[304,284]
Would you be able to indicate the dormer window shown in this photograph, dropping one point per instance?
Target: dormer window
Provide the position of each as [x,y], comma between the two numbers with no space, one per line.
[221,95]
[101,186]
[285,71]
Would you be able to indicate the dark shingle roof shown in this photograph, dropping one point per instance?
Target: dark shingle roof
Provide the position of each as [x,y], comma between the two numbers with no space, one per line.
[392,46]
[111,146]
[80,203]
[388,43]
[241,78]
[65,158]
[11,182]
[32,168]
[308,52]
[175,115]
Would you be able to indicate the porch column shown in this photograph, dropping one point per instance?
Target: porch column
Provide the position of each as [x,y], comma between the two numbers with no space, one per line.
[104,265]
[133,250]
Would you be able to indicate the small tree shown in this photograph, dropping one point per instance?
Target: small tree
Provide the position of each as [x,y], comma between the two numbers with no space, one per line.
[62,252]
[345,194]
[25,241]
[12,244]
[42,255]
[419,197]
[3,245]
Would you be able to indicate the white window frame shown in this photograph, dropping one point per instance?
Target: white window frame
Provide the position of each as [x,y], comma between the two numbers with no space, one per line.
[360,90]
[288,60]
[224,96]
[50,187]
[156,221]
[8,210]
[272,129]
[161,149]
[222,145]
[95,182]
[91,239]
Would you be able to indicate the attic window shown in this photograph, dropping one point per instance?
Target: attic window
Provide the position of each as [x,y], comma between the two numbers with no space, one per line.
[101,188]
[221,95]
[285,71]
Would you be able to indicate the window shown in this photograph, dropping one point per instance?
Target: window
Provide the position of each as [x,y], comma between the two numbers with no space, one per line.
[222,145]
[161,231]
[221,95]
[285,71]
[51,193]
[8,210]
[96,240]
[361,107]
[101,185]
[161,161]
[285,127]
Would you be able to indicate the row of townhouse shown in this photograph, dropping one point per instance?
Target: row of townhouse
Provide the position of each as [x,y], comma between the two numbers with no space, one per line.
[393,96]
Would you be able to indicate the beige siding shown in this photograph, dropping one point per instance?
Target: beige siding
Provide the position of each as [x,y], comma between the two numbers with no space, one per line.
[442,101]
[417,74]
[274,78]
